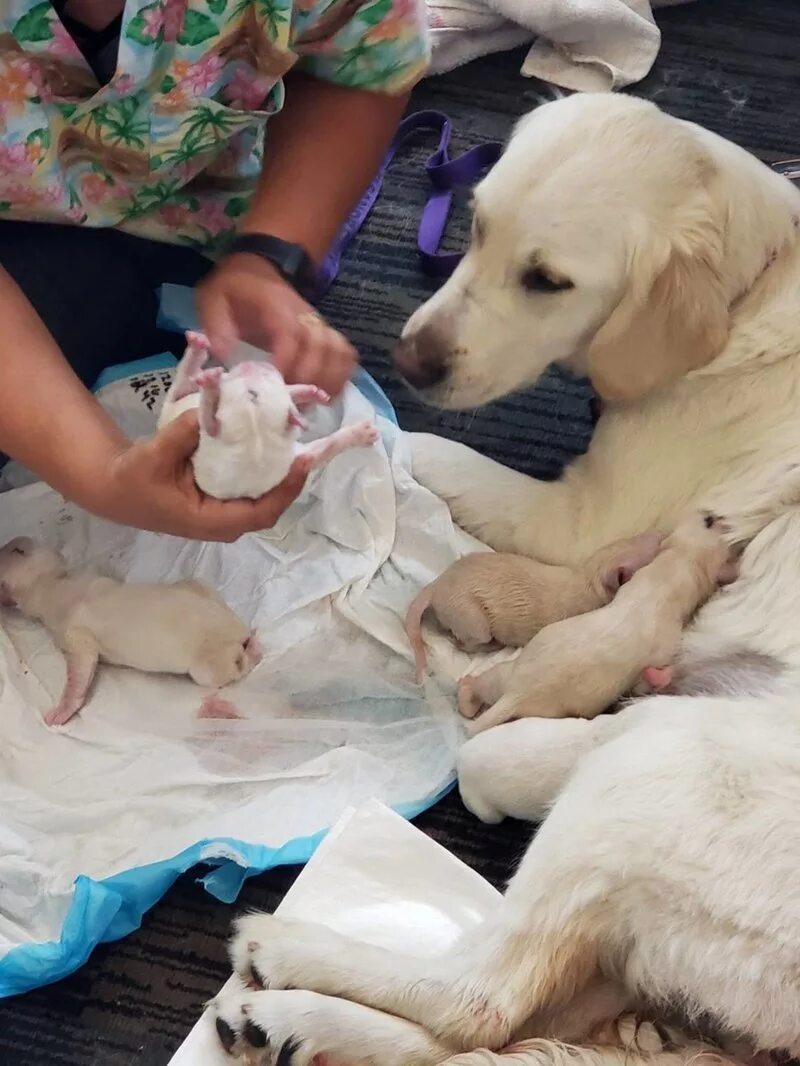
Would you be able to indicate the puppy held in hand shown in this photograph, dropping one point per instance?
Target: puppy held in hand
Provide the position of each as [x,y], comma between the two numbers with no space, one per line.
[249,424]
[183,628]
[580,666]
[497,598]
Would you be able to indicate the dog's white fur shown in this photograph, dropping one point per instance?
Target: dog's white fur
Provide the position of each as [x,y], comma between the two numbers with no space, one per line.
[578,667]
[667,870]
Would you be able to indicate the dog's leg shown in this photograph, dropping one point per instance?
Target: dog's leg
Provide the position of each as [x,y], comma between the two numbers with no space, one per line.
[517,770]
[588,893]
[295,1028]
[507,510]
[538,952]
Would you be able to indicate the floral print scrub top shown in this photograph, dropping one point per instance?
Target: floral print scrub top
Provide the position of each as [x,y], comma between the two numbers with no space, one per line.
[170,148]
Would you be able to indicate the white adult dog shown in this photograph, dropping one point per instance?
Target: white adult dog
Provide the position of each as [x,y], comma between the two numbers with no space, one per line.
[664,263]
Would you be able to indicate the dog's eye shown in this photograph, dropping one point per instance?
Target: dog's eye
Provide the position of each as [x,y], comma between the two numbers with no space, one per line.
[17,551]
[253,395]
[709,520]
[536,279]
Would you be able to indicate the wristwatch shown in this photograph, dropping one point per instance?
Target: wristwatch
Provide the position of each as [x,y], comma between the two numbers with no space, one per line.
[291,261]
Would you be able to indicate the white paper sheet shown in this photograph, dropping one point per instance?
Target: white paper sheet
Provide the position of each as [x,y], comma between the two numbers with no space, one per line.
[378,879]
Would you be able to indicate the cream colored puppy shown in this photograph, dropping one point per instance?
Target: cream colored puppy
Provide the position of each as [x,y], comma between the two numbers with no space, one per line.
[578,667]
[183,628]
[489,597]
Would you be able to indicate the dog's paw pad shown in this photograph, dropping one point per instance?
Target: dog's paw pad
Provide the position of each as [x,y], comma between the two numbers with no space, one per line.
[254,1035]
[226,1034]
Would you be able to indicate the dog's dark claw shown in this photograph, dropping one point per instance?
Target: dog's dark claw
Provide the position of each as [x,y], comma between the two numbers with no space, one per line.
[286,1053]
[256,979]
[254,1034]
[226,1035]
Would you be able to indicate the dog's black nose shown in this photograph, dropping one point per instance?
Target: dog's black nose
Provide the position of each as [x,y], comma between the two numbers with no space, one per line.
[421,360]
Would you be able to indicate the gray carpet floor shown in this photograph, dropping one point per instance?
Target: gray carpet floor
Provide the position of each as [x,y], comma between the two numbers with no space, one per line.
[734,66]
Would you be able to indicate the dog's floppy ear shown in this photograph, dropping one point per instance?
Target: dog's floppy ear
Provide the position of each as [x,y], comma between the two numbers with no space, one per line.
[655,336]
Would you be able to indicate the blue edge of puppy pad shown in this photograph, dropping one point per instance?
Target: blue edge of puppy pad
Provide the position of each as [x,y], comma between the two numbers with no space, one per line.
[110,909]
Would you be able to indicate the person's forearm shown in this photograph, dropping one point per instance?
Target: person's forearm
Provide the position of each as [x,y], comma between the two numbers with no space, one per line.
[48,421]
[322,151]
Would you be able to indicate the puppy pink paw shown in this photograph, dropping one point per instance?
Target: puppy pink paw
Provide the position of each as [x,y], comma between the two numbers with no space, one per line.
[217,707]
[305,395]
[210,378]
[657,677]
[469,702]
[364,434]
[197,340]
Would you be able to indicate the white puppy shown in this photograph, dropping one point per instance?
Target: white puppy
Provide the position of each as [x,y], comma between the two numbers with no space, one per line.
[249,424]
[488,597]
[578,667]
[183,628]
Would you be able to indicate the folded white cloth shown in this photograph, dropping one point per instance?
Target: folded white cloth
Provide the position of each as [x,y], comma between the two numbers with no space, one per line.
[583,45]
[378,879]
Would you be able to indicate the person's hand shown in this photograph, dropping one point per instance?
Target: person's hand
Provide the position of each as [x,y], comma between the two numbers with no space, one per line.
[150,485]
[245,298]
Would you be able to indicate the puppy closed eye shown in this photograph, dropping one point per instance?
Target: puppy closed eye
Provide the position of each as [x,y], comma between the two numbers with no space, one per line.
[537,279]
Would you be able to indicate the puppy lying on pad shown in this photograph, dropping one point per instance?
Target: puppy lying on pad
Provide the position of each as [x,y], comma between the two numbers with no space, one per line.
[182,628]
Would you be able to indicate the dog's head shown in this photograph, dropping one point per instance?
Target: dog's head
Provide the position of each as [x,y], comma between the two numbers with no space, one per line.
[603,241]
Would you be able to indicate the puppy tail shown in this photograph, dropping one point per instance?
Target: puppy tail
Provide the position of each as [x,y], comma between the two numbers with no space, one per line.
[414,631]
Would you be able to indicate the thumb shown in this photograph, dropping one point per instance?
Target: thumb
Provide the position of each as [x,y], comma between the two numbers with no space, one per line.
[178,440]
[217,322]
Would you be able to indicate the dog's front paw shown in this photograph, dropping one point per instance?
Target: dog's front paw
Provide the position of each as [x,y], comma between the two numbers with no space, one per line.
[269,952]
[262,1027]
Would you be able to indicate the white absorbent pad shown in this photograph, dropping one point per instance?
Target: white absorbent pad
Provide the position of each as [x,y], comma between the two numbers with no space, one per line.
[97,819]
[380,880]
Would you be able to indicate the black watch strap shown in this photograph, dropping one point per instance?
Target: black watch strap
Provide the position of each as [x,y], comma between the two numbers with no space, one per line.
[292,261]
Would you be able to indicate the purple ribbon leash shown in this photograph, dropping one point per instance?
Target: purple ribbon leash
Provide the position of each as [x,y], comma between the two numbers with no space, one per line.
[445,174]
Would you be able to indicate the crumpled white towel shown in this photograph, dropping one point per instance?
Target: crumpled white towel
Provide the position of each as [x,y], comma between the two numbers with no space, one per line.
[583,45]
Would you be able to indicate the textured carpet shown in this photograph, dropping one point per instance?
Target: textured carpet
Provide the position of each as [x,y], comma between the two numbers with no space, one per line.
[730,64]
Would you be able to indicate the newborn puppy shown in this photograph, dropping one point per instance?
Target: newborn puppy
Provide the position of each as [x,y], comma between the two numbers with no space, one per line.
[184,628]
[580,666]
[249,424]
[493,597]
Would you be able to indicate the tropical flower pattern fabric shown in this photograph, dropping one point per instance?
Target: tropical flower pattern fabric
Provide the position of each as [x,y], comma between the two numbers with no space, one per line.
[171,147]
